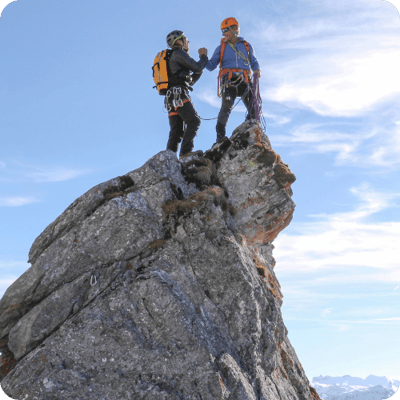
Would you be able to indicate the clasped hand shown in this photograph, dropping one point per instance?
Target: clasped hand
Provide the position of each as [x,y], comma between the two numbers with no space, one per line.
[202,51]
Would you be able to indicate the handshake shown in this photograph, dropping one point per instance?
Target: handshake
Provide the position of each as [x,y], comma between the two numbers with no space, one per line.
[202,51]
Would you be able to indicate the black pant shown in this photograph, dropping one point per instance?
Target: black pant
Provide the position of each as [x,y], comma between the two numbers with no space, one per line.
[184,123]
[228,99]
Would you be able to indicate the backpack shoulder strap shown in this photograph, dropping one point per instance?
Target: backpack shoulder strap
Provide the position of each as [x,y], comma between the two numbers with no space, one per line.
[246,44]
[221,54]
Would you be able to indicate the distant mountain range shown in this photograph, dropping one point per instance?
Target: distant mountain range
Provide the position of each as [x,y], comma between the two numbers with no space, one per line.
[352,388]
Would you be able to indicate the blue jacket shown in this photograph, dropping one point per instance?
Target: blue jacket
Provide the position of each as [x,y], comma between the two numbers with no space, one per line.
[233,60]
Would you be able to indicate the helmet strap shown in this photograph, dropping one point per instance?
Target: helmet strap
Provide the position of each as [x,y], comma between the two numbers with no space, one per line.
[235,34]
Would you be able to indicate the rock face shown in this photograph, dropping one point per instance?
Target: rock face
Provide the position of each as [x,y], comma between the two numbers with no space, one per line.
[160,284]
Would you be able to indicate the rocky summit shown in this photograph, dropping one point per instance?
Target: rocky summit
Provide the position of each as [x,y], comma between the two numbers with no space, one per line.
[160,284]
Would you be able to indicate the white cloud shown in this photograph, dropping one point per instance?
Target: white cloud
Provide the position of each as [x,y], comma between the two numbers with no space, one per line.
[360,81]
[389,319]
[353,145]
[10,270]
[346,247]
[40,175]
[379,321]
[340,327]
[326,312]
[12,265]
[4,284]
[16,171]
[16,201]
[4,4]
[338,61]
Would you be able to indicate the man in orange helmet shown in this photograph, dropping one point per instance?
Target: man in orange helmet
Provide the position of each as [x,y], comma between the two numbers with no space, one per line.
[236,59]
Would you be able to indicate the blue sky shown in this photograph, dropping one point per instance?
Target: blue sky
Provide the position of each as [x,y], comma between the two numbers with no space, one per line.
[78,108]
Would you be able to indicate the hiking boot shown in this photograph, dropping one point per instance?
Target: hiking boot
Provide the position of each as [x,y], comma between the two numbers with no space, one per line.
[222,144]
[193,153]
[220,138]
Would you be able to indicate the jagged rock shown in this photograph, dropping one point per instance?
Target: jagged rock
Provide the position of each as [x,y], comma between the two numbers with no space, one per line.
[160,284]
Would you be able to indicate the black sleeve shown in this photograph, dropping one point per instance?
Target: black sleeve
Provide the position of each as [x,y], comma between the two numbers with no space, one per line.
[187,62]
[195,77]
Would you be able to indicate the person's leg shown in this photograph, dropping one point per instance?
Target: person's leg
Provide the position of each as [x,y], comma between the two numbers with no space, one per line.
[192,121]
[246,92]
[228,99]
[176,131]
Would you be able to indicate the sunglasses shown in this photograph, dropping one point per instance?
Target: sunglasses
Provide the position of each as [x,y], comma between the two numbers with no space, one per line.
[226,30]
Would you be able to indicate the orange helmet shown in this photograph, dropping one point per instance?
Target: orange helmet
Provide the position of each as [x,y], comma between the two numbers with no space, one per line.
[229,22]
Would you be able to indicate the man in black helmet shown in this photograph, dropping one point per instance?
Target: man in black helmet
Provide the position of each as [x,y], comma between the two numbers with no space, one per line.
[183,73]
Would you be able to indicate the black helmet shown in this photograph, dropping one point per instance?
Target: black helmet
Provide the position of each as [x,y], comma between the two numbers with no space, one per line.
[173,37]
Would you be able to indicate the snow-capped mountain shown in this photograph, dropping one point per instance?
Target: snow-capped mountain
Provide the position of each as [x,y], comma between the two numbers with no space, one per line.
[353,388]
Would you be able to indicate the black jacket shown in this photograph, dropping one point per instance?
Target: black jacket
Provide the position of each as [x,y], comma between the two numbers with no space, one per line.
[180,66]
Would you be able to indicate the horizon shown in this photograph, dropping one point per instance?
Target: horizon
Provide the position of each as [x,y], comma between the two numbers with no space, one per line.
[79,109]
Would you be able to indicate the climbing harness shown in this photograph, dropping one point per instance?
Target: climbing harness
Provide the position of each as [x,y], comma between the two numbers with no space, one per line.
[230,71]
[177,101]
[240,54]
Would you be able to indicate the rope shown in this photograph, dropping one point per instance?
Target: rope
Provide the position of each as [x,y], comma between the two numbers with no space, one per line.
[210,119]
[256,105]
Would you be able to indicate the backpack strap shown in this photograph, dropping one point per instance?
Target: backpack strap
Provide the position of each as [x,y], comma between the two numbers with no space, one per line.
[246,44]
[221,54]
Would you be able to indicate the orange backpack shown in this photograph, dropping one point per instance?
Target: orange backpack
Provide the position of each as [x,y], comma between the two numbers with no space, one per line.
[160,71]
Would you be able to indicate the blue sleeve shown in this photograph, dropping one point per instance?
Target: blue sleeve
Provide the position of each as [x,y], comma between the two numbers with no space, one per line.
[253,59]
[214,60]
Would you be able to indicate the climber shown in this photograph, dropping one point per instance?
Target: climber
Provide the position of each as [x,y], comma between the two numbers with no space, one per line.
[183,119]
[235,57]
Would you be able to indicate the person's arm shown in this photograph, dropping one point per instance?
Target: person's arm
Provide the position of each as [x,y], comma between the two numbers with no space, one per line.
[214,61]
[254,62]
[189,63]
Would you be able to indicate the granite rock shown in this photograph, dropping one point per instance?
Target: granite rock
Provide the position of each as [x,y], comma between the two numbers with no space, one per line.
[160,284]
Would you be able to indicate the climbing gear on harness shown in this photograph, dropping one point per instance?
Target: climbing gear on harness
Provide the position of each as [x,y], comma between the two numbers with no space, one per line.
[177,101]
[223,71]
[227,22]
[160,71]
[173,36]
